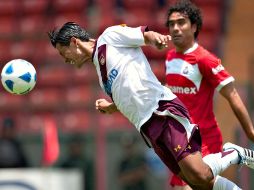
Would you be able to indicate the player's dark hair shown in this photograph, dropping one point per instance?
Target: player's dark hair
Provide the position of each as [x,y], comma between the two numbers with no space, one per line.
[64,34]
[189,9]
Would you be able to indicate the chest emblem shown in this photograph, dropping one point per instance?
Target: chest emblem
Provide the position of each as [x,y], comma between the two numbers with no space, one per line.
[102,60]
[186,70]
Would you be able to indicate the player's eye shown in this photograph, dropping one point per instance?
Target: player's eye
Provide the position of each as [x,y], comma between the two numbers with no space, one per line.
[181,22]
[170,24]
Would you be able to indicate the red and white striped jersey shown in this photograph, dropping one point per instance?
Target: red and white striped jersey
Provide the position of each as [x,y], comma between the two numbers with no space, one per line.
[194,76]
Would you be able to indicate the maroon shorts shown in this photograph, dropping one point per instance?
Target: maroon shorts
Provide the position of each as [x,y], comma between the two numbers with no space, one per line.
[211,143]
[168,136]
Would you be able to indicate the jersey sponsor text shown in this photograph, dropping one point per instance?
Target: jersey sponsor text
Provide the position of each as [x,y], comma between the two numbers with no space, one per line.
[112,75]
[183,90]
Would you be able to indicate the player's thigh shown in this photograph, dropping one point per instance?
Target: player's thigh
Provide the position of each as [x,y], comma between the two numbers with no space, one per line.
[194,170]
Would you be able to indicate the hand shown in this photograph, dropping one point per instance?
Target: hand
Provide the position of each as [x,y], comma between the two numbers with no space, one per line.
[105,106]
[159,40]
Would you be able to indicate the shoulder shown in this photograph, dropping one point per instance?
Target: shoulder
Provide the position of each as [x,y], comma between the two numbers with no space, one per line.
[115,28]
[205,56]
[203,53]
[109,33]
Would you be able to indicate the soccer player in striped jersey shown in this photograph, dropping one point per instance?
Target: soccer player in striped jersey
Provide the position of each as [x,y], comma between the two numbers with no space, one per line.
[194,74]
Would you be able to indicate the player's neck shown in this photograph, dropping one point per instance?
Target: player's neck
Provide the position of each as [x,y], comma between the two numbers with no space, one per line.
[184,48]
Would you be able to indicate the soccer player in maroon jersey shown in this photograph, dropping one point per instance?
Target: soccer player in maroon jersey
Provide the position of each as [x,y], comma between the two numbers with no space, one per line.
[194,74]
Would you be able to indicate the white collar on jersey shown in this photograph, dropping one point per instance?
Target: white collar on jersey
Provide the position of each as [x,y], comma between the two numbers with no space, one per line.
[194,47]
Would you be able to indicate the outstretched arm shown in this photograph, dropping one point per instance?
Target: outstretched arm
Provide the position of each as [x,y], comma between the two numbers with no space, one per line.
[239,109]
[105,106]
[156,39]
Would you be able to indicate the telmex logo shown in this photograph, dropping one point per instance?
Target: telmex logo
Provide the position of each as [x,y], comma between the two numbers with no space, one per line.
[15,185]
[183,90]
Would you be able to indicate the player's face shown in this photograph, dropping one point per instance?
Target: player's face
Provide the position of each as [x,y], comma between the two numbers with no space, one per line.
[72,54]
[181,30]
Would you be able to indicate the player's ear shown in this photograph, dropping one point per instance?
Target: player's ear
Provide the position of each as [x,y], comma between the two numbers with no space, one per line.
[84,46]
[74,40]
[194,28]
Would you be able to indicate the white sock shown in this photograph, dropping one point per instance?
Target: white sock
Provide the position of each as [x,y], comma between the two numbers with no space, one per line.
[220,161]
[222,183]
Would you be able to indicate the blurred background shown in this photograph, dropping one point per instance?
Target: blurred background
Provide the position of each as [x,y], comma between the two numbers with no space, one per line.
[53,138]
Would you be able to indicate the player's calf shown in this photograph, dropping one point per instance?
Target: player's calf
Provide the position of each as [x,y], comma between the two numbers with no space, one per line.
[195,172]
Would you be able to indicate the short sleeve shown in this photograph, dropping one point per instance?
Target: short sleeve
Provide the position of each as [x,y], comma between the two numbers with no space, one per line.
[124,36]
[214,72]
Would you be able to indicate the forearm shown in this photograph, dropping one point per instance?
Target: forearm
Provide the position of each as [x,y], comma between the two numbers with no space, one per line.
[239,109]
[149,37]
[243,116]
